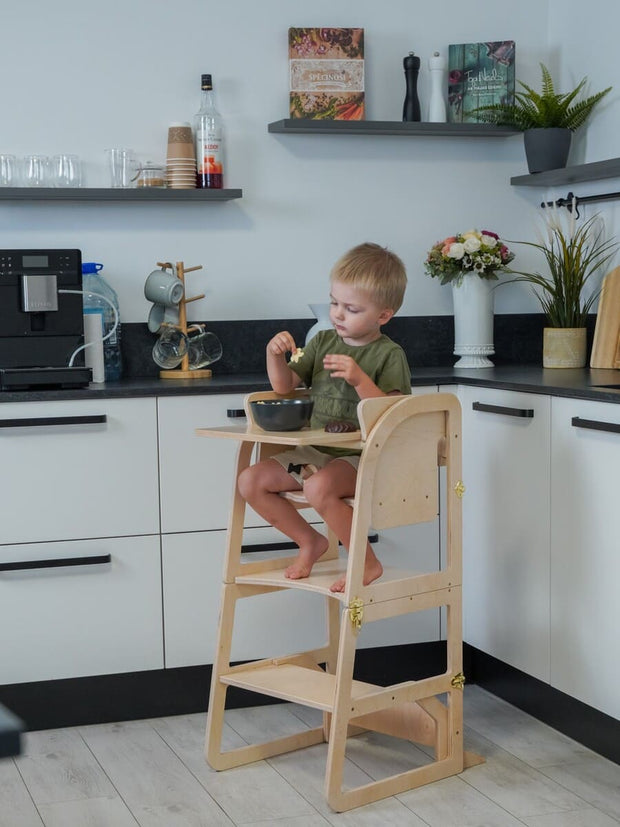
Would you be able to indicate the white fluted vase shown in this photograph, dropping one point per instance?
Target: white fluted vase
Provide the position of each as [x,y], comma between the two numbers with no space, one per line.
[321,311]
[473,301]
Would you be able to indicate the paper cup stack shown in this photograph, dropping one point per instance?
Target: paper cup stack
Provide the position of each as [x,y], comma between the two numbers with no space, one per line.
[181,159]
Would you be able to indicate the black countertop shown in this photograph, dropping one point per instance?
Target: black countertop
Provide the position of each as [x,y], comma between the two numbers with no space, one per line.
[576,383]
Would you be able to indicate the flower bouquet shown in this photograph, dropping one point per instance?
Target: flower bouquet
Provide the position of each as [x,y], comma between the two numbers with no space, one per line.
[478,252]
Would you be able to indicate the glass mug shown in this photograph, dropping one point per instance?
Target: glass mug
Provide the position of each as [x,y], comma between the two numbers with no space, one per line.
[204,349]
[170,347]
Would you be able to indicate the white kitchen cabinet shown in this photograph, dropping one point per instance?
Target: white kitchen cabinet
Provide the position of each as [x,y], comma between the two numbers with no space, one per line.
[506,556]
[63,621]
[196,474]
[268,625]
[78,469]
[585,552]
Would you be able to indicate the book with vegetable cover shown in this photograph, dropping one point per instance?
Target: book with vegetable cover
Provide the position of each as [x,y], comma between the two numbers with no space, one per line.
[479,74]
[326,73]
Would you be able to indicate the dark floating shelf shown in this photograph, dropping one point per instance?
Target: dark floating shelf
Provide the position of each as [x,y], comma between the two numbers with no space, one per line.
[596,171]
[142,194]
[294,126]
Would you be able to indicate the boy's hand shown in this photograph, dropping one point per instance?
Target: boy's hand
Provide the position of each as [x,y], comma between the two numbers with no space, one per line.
[344,367]
[281,344]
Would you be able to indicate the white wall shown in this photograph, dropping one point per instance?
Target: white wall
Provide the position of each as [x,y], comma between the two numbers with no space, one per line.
[80,77]
[583,37]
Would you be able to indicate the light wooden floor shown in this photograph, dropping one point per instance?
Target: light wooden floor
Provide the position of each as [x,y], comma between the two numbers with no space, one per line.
[152,773]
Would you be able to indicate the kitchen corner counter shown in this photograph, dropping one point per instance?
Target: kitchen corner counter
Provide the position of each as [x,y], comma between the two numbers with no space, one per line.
[573,383]
[10,728]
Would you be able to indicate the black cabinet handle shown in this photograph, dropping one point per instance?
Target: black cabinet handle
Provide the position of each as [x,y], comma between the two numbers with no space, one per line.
[287,545]
[59,562]
[235,413]
[593,425]
[46,421]
[284,546]
[525,413]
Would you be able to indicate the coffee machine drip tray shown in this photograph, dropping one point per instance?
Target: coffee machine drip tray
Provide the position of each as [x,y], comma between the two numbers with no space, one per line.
[18,379]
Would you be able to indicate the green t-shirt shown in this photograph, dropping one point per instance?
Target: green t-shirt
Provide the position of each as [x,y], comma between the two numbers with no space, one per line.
[382,360]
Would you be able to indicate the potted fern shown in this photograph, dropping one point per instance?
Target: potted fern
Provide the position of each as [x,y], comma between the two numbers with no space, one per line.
[573,257]
[547,119]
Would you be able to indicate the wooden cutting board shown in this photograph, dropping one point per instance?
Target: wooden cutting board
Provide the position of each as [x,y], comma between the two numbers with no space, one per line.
[606,345]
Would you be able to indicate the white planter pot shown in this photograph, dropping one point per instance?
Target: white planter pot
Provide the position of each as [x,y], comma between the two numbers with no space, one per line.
[473,301]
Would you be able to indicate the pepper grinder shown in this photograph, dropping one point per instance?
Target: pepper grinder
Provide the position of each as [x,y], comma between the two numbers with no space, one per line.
[411,107]
[437,105]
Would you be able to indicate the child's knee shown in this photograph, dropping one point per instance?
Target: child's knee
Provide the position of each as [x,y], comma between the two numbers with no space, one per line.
[246,482]
[317,487]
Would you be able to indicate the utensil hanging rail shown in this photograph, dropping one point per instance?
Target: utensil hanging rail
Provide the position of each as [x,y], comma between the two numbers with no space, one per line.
[573,201]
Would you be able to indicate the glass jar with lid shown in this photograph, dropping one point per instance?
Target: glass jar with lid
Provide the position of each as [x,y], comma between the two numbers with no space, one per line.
[151,174]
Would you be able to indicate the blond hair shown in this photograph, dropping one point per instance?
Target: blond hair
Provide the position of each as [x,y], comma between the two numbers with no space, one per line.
[375,270]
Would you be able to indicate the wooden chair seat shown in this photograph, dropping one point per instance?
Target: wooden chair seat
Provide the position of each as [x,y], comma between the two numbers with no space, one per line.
[299,500]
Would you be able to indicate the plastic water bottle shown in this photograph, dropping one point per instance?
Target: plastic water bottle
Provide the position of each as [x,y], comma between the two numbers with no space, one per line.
[95,287]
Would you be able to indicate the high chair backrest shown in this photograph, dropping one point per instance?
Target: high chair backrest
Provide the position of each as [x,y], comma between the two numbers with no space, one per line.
[406,439]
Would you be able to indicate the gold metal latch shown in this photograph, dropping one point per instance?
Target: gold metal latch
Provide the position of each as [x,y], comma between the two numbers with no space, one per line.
[458,681]
[459,489]
[356,613]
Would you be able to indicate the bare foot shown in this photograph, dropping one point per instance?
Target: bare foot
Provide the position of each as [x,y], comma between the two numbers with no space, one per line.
[306,558]
[372,571]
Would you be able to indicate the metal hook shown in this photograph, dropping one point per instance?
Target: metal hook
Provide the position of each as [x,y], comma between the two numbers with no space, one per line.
[571,201]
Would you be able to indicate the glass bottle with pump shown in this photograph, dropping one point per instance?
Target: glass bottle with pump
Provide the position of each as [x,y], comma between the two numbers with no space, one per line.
[208,134]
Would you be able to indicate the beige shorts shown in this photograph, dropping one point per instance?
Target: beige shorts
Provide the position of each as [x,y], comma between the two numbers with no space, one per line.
[302,461]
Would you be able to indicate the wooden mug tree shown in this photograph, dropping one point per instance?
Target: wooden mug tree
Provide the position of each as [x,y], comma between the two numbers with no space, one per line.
[183,371]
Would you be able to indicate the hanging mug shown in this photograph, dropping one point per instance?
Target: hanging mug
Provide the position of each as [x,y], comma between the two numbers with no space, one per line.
[170,347]
[204,349]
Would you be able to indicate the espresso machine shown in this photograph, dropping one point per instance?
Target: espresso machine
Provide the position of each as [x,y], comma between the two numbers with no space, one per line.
[41,320]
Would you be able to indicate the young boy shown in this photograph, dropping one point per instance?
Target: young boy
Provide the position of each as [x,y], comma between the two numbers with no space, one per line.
[341,366]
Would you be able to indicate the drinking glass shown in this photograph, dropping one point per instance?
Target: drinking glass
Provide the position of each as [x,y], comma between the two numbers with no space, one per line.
[8,170]
[36,170]
[66,171]
[122,167]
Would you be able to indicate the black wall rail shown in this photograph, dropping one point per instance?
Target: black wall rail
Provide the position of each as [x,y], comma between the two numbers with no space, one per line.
[572,201]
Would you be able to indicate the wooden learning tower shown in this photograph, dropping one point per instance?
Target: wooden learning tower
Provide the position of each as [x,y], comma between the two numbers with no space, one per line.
[404,441]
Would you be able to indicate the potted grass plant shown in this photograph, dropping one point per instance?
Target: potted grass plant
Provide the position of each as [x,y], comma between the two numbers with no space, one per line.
[574,257]
[546,118]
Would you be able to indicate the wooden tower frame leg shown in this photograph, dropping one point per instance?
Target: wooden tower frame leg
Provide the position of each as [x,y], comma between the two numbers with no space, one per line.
[217,698]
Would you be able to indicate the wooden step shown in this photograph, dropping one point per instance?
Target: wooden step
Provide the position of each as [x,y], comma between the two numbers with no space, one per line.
[289,682]
[322,577]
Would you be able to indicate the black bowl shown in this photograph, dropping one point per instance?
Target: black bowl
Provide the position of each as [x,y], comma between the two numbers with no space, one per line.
[282,414]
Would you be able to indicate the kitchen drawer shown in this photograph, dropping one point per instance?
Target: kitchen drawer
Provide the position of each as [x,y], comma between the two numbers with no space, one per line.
[62,621]
[267,625]
[197,473]
[78,469]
